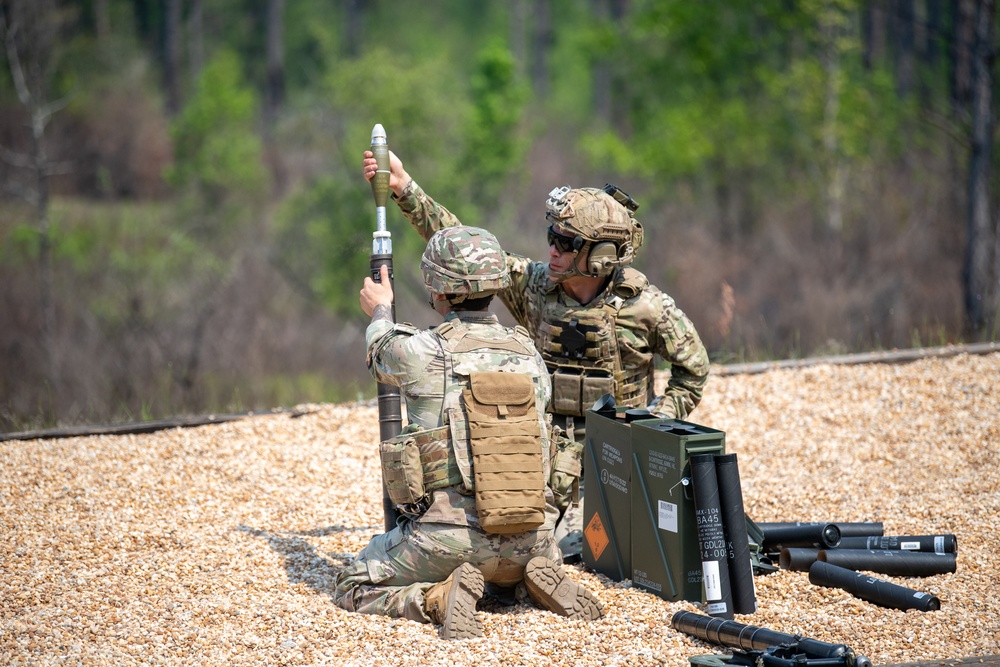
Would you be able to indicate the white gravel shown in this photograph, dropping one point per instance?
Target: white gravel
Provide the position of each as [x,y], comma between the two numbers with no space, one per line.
[220,544]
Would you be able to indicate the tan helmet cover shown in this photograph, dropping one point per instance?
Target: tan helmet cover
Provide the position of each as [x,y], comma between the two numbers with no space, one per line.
[592,215]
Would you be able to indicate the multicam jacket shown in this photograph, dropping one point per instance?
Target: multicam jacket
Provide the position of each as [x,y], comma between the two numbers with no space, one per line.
[431,378]
[646,322]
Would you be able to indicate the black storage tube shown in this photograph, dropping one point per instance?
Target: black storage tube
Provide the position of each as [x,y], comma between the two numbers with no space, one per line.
[846,528]
[814,535]
[896,563]
[876,591]
[711,537]
[797,559]
[938,544]
[734,525]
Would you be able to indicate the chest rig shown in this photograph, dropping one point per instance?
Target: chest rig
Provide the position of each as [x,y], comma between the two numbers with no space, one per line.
[493,443]
[580,347]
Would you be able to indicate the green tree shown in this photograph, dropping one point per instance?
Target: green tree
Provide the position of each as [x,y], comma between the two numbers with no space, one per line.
[494,141]
[217,153]
[751,100]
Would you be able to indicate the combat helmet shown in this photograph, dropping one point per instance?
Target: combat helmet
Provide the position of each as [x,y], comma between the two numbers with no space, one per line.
[600,223]
[464,262]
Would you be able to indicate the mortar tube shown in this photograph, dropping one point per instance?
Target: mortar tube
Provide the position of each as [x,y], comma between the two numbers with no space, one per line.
[734,526]
[753,638]
[870,589]
[711,537]
[895,563]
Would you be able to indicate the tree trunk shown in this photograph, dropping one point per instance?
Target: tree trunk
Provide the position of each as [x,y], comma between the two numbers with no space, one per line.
[352,28]
[45,271]
[195,39]
[102,22]
[832,32]
[518,35]
[28,41]
[979,312]
[601,69]
[873,30]
[542,41]
[172,54]
[274,93]
[904,45]
[962,43]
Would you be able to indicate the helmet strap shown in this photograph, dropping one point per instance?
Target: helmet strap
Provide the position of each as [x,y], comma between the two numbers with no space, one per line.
[574,270]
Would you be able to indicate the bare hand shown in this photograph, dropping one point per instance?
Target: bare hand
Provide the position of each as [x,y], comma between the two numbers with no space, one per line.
[376,294]
[398,178]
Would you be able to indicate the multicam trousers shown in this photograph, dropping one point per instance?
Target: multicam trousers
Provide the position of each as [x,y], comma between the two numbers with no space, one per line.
[391,574]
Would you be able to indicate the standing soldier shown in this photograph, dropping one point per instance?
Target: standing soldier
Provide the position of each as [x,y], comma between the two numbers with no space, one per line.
[470,471]
[596,320]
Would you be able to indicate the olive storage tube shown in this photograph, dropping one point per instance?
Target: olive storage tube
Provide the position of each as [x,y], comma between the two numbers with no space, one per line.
[938,544]
[711,537]
[734,525]
[876,591]
[896,563]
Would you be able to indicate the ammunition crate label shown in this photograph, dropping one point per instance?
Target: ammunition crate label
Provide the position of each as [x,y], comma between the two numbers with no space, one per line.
[716,608]
[694,576]
[597,537]
[614,481]
[611,454]
[642,579]
[661,463]
[667,516]
[713,584]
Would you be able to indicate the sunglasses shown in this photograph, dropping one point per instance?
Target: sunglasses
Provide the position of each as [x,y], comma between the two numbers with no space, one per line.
[562,243]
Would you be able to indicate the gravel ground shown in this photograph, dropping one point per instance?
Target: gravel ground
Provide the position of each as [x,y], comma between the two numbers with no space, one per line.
[220,544]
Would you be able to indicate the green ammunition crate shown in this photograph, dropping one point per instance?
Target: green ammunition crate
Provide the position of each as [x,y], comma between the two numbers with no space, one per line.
[607,508]
[666,559]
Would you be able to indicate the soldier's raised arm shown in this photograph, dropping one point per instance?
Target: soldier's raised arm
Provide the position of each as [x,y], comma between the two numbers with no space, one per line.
[425,215]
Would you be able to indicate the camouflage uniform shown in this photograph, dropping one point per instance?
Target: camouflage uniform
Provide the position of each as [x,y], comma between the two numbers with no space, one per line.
[648,322]
[392,573]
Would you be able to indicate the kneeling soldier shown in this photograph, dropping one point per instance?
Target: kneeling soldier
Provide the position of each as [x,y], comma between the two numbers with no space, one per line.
[470,471]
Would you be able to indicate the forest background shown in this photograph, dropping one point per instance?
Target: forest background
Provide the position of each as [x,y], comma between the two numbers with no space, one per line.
[184,227]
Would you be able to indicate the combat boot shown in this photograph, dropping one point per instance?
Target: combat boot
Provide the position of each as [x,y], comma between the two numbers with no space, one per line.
[552,590]
[452,603]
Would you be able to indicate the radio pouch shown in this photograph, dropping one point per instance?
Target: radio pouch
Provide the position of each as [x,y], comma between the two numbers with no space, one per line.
[416,463]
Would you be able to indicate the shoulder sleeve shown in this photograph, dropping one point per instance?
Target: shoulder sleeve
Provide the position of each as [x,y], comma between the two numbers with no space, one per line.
[528,279]
[425,215]
[392,350]
[675,338]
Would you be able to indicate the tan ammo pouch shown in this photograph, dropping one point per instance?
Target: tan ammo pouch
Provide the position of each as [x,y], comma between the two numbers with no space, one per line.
[567,468]
[506,441]
[414,464]
[574,392]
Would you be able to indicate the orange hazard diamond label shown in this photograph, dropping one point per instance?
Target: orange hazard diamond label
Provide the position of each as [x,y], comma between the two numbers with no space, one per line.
[596,536]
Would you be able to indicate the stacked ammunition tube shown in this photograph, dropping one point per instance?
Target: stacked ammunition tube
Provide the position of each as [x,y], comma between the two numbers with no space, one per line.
[836,554]
[722,535]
